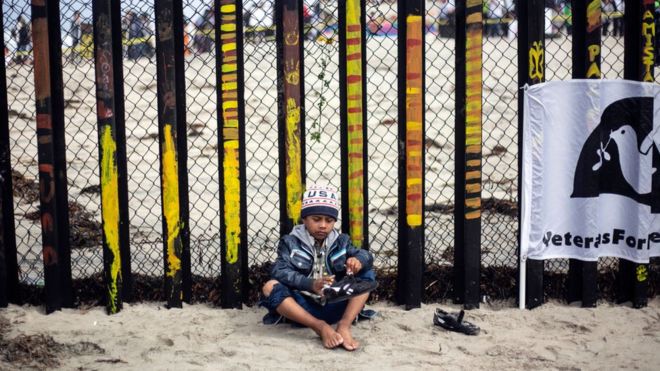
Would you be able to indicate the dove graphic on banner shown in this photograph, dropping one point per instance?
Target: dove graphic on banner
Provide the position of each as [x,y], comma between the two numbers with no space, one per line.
[591,188]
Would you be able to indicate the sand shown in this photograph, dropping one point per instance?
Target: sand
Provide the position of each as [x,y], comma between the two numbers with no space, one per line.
[199,337]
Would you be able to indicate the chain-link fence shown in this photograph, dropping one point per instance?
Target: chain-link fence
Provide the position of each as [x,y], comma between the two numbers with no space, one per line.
[500,123]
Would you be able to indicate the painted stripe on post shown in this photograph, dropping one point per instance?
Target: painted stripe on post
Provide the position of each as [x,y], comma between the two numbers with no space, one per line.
[112,152]
[414,121]
[173,150]
[648,43]
[48,89]
[232,156]
[467,219]
[291,111]
[8,257]
[411,159]
[353,119]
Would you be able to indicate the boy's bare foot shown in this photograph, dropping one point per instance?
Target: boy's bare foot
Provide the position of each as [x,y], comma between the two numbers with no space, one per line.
[330,337]
[349,343]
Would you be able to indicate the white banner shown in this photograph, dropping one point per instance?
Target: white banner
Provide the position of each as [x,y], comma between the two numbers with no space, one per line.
[591,184]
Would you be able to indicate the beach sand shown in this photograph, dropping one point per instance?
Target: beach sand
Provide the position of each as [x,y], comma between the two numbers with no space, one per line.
[148,336]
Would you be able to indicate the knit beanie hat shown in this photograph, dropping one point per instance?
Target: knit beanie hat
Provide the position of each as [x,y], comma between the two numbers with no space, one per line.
[320,200]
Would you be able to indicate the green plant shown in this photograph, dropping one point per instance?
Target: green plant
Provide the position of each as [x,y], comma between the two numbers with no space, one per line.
[324,77]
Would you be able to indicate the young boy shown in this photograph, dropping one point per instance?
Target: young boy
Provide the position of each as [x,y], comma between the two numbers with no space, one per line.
[311,257]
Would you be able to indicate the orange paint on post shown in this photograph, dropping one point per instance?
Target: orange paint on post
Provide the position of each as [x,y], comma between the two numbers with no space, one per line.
[414,121]
[354,118]
[473,128]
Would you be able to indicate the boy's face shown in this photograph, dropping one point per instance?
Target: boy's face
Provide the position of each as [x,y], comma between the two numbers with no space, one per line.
[319,225]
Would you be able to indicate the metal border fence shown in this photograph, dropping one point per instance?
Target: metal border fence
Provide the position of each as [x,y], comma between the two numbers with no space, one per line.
[196,126]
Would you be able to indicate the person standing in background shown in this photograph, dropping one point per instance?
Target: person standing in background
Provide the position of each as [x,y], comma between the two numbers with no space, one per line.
[619,8]
[75,34]
[22,36]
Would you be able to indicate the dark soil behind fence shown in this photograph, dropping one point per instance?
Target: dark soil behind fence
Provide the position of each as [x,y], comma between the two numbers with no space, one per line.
[497,283]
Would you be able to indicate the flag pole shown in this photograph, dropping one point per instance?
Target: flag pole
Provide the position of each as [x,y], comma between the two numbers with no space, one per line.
[522,282]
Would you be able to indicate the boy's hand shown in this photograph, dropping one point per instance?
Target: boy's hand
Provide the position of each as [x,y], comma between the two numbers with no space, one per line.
[321,282]
[353,265]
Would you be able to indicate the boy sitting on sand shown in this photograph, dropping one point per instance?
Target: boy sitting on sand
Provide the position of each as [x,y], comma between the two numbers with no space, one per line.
[311,258]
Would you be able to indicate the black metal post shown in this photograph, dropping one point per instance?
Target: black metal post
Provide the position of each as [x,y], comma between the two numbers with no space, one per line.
[467,213]
[112,152]
[52,151]
[411,152]
[8,259]
[531,70]
[353,118]
[231,116]
[291,110]
[173,150]
[582,275]
[639,60]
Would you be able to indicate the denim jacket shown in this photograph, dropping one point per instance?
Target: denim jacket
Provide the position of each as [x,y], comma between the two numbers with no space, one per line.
[296,257]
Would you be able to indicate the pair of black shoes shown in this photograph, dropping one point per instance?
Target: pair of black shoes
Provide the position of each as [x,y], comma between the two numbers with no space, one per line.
[346,288]
[454,322]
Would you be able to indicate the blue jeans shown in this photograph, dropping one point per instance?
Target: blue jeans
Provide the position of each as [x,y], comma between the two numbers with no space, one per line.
[330,313]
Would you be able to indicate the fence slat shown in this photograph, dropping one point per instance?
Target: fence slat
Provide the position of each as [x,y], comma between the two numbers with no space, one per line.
[531,70]
[112,152]
[233,225]
[411,152]
[467,210]
[353,117]
[639,48]
[173,150]
[291,110]
[8,258]
[582,275]
[48,89]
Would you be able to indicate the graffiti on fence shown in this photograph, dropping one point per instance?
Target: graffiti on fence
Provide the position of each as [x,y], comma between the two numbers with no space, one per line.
[292,111]
[171,203]
[354,120]
[231,144]
[110,211]
[172,125]
[594,22]
[594,16]
[414,121]
[473,111]
[108,159]
[648,53]
[641,272]
[536,62]
[45,139]
[593,53]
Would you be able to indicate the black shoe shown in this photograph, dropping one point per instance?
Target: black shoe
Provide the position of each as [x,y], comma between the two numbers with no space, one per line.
[454,322]
[347,288]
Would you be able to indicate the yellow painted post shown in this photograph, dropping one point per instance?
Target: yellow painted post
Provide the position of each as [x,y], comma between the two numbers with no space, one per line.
[173,150]
[467,213]
[352,70]
[233,211]
[411,157]
[112,152]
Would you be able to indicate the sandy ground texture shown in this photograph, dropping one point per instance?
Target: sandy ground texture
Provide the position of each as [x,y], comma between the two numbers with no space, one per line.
[197,337]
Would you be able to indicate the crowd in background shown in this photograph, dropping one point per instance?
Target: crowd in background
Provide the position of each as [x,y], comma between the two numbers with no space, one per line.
[320,21]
